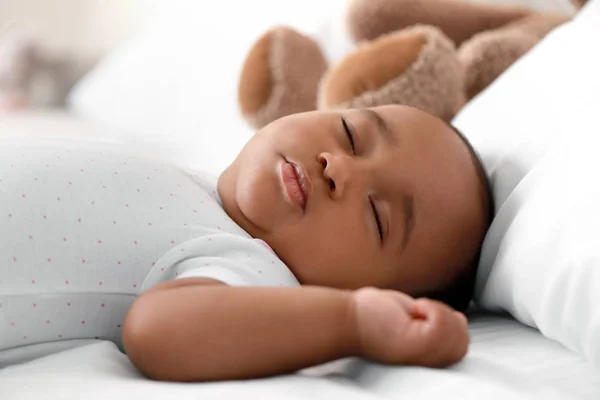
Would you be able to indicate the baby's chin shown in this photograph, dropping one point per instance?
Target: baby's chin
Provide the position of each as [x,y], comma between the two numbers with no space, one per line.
[245,211]
[227,191]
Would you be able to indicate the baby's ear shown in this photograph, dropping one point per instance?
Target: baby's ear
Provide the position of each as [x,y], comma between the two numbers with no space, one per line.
[280,76]
[416,67]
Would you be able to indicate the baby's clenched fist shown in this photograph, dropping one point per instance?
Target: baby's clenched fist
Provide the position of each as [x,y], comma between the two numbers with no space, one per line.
[394,328]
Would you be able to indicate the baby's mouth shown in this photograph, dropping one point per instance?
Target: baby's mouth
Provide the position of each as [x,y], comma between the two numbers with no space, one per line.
[296,183]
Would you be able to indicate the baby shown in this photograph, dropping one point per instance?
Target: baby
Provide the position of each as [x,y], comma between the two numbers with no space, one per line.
[368,210]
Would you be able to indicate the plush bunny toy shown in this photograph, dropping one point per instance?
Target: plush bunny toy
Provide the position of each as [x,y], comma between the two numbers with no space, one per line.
[430,54]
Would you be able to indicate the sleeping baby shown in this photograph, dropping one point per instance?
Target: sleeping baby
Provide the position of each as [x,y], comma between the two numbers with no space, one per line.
[332,234]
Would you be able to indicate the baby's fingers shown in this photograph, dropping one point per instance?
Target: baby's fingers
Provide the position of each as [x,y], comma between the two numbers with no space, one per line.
[431,309]
[439,321]
[462,317]
[401,298]
[424,309]
[444,331]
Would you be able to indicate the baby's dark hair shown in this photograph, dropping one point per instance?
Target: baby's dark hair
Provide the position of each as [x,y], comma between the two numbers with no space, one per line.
[460,292]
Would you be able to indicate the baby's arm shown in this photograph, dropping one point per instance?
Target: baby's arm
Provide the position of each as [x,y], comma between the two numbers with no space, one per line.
[196,329]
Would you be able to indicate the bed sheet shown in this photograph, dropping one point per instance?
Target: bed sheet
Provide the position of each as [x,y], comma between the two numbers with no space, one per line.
[506,361]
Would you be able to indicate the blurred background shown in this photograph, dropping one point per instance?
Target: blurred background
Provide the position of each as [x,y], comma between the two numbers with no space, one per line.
[63,39]
[58,41]
[91,28]
[160,75]
[88,28]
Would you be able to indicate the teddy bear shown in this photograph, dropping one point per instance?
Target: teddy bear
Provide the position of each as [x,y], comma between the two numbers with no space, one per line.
[434,55]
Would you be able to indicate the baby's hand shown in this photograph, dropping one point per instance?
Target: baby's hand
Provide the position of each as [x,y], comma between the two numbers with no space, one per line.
[394,328]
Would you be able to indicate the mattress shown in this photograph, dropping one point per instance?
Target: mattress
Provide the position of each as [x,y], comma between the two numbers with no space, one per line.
[507,360]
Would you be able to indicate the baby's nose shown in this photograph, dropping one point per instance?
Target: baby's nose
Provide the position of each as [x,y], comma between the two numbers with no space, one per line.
[336,172]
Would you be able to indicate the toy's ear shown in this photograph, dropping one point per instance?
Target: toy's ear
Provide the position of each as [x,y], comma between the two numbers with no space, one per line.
[579,3]
[280,76]
[487,55]
[416,67]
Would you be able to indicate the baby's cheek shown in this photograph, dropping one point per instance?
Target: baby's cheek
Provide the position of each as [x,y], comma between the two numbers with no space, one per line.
[327,248]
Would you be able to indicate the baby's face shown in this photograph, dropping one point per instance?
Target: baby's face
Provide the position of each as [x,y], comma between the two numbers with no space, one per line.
[386,197]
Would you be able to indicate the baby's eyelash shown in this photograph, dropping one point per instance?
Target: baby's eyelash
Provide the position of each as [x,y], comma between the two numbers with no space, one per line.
[349,134]
[377,220]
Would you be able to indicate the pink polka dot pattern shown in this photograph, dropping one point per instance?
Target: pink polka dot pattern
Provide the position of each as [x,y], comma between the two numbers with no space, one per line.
[105,227]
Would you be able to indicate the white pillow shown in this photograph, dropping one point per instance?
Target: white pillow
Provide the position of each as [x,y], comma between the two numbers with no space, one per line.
[175,86]
[538,131]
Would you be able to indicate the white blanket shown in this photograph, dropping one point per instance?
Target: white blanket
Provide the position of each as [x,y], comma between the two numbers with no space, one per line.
[506,361]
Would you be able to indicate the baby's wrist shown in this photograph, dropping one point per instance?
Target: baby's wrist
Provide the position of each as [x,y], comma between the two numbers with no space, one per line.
[350,332]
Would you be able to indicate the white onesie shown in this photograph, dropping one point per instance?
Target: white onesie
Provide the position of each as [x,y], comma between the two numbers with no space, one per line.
[84,230]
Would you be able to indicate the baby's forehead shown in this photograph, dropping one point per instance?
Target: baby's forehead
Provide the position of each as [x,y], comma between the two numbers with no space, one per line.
[442,173]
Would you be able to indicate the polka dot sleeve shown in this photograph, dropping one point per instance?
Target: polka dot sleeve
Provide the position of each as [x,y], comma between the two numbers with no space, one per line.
[228,258]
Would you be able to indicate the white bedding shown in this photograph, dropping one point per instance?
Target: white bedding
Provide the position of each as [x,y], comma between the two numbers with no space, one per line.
[506,361]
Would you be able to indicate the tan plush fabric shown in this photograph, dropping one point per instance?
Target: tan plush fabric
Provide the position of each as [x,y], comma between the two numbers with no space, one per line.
[255,85]
[433,82]
[458,19]
[294,66]
[538,25]
[371,67]
[488,54]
